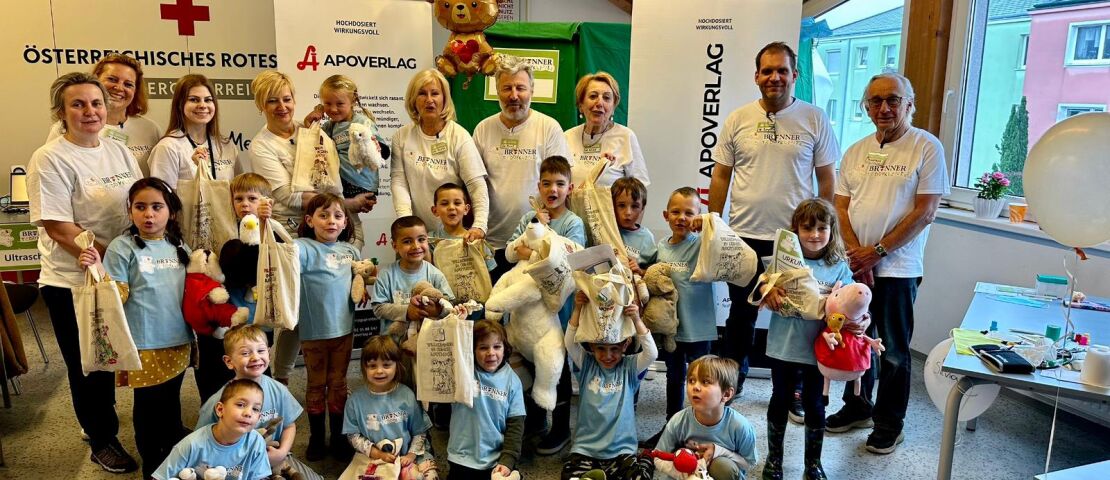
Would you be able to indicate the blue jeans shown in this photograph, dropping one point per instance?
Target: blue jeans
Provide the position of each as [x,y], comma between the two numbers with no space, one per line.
[892,321]
[684,353]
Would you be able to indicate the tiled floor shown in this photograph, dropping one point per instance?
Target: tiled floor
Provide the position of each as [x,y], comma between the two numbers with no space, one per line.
[40,434]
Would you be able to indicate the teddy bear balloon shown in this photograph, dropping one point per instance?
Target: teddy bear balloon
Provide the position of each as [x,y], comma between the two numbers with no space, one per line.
[842,355]
[467,50]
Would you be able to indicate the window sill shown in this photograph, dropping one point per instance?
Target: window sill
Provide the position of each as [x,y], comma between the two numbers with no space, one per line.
[1027,231]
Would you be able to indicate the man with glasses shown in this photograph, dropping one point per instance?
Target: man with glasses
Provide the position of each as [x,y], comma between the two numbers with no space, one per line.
[769,151]
[889,189]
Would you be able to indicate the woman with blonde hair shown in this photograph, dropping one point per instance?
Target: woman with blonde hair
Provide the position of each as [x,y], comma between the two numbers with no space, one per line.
[601,138]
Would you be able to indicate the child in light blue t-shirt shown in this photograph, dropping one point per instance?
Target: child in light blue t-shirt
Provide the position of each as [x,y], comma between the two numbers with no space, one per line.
[629,201]
[231,443]
[487,437]
[339,108]
[392,297]
[697,326]
[605,438]
[717,434]
[790,339]
[326,317]
[150,262]
[451,204]
[383,411]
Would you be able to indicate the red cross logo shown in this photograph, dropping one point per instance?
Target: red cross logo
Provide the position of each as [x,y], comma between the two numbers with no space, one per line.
[185,14]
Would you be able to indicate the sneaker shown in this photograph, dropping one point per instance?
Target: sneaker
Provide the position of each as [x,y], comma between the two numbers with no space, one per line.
[884,442]
[113,458]
[796,414]
[650,442]
[553,443]
[847,419]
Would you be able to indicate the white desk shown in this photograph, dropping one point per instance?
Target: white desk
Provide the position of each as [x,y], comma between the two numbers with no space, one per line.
[983,309]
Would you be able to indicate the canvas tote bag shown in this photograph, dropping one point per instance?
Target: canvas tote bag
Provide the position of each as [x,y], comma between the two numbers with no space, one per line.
[278,278]
[102,329]
[207,216]
[316,164]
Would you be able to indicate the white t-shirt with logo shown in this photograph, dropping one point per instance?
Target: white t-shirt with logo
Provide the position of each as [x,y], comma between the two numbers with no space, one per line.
[172,159]
[773,158]
[882,182]
[138,133]
[87,186]
[512,158]
[272,157]
[619,141]
[421,163]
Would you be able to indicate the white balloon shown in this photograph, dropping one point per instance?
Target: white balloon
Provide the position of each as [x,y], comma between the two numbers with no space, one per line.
[1066,178]
[976,401]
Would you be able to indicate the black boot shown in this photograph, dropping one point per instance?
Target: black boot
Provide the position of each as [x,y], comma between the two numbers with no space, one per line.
[772,470]
[815,437]
[317,447]
[340,448]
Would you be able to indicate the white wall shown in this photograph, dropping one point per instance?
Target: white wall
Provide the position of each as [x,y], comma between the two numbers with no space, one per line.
[575,11]
[959,254]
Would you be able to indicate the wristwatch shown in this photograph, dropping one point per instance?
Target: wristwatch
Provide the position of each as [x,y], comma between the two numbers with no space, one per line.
[880,249]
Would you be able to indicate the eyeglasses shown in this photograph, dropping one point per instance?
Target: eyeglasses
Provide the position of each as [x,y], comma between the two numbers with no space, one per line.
[893,101]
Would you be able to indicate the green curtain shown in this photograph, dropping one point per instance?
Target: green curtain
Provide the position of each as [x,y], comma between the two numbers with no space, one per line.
[583,48]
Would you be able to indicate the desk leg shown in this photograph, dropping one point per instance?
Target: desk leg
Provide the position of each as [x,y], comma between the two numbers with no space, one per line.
[951,423]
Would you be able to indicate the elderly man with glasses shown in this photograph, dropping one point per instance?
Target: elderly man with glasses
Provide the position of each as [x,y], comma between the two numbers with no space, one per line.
[887,195]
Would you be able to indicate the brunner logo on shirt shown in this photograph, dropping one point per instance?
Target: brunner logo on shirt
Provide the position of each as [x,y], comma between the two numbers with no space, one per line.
[431,163]
[679,266]
[112,181]
[493,393]
[336,260]
[632,251]
[148,264]
[605,388]
[874,170]
[376,421]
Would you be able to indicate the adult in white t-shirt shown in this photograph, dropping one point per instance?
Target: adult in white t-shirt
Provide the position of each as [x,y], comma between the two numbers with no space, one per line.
[600,138]
[513,143]
[193,139]
[433,150]
[890,187]
[769,151]
[75,182]
[122,76]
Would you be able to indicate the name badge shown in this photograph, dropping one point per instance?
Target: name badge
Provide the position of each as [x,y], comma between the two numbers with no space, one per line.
[117,135]
[596,148]
[509,142]
[439,148]
[876,158]
[765,127]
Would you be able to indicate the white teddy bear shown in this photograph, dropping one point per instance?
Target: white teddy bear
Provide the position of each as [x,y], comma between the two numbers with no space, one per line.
[363,151]
[533,326]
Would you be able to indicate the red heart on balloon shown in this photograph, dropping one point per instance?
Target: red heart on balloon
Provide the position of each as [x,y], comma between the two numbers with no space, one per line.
[465,51]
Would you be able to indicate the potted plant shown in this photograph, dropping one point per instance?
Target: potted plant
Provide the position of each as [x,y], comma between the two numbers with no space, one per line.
[992,187]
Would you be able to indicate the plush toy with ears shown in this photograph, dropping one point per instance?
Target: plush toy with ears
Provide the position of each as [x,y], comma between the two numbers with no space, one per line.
[841,355]
[204,304]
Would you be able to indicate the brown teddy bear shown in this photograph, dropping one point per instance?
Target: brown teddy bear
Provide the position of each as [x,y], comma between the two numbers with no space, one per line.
[365,276]
[406,332]
[285,471]
[660,313]
[467,51]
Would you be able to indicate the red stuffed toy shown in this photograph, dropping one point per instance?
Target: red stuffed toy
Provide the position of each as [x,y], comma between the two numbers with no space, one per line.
[842,355]
[685,462]
[204,304]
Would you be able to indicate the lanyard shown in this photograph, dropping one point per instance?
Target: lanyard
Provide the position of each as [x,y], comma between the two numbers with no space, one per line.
[211,152]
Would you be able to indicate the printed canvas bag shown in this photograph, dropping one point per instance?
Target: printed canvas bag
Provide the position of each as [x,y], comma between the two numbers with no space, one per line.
[723,255]
[464,266]
[603,320]
[445,361]
[207,216]
[316,165]
[102,329]
[278,278]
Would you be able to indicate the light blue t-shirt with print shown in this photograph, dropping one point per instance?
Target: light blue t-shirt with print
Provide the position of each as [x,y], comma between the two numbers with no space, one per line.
[276,402]
[385,416]
[640,244]
[439,233]
[567,225]
[791,338]
[478,433]
[364,178]
[606,415]
[156,282]
[394,284]
[244,460]
[733,433]
[327,310]
[697,316]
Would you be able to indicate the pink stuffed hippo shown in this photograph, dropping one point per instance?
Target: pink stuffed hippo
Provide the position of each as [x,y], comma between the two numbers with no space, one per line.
[841,355]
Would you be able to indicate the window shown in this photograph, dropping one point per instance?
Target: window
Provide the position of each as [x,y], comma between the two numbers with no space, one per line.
[890,55]
[1087,44]
[833,61]
[997,112]
[831,110]
[857,110]
[1023,54]
[1071,110]
[861,57]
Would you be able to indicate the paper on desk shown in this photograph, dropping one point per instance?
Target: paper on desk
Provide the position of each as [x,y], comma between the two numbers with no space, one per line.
[1009,290]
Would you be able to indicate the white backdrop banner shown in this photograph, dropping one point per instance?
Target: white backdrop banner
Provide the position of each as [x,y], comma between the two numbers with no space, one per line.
[378,44]
[689,80]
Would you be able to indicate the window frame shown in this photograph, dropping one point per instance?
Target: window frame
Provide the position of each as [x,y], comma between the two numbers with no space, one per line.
[828,64]
[861,57]
[857,113]
[831,109]
[893,50]
[1023,52]
[1073,35]
[1062,108]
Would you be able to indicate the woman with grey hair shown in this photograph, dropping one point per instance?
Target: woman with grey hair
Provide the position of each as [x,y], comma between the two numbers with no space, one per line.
[77,182]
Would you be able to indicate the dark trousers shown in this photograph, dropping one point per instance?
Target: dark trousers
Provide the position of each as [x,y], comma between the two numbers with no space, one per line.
[157,415]
[503,266]
[683,354]
[740,326]
[212,374]
[623,467]
[459,472]
[785,377]
[94,396]
[892,321]
[560,416]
